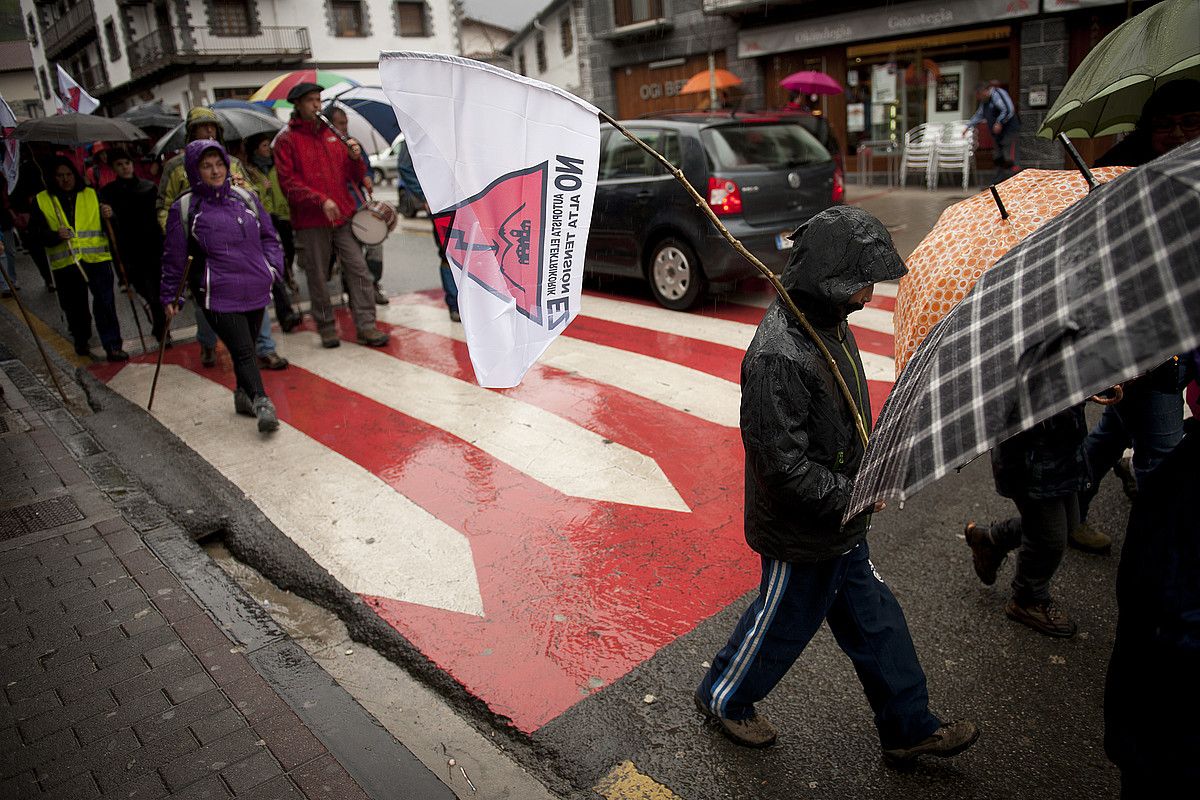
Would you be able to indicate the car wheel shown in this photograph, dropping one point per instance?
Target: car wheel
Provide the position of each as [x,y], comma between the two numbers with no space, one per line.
[676,278]
[408,205]
[377,176]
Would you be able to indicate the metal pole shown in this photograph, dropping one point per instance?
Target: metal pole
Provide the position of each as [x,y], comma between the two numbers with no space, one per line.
[162,346]
[16,293]
[712,82]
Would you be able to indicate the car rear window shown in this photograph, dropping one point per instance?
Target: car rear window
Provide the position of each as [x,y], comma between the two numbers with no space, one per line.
[777,145]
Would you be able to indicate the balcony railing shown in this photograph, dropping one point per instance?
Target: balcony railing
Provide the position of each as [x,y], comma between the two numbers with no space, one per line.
[68,29]
[93,79]
[196,46]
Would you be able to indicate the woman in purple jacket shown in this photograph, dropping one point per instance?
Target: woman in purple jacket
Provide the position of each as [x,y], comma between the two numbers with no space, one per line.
[236,257]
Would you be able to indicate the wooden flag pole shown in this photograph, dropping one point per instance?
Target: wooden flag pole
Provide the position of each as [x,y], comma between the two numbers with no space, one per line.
[112,239]
[162,346]
[761,267]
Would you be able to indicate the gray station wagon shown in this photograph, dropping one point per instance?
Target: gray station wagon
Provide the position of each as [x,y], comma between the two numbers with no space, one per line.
[764,175]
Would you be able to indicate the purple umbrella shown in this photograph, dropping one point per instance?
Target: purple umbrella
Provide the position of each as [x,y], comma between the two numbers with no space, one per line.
[811,82]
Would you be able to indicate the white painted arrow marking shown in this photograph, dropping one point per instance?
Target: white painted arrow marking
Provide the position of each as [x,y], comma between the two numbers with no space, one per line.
[324,502]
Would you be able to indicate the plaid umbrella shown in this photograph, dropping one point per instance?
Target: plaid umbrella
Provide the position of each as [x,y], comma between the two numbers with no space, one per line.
[971,236]
[1106,291]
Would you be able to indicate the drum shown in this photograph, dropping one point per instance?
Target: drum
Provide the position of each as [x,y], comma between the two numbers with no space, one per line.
[372,223]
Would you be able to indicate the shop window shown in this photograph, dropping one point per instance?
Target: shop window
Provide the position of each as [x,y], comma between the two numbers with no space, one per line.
[539,48]
[348,18]
[231,18]
[412,19]
[29,23]
[110,38]
[567,35]
[631,12]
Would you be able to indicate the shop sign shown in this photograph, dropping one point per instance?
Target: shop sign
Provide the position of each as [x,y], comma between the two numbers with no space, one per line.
[898,20]
[856,117]
[949,87]
[654,91]
[883,84]
[1052,6]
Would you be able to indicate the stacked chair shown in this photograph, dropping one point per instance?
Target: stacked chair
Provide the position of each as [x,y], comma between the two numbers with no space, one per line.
[936,147]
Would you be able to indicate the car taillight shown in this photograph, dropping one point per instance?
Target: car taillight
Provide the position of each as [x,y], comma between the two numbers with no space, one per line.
[724,196]
[839,185]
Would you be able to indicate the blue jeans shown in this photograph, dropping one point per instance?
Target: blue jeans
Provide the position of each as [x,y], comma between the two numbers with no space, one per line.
[1148,419]
[207,337]
[866,621]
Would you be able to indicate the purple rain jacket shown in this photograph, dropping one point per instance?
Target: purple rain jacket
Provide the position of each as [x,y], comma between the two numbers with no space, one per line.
[238,252]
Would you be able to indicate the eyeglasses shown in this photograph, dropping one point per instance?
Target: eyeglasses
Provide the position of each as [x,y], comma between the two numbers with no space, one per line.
[1189,123]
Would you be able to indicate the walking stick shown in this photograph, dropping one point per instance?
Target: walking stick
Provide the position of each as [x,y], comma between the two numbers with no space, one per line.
[162,346]
[16,293]
[761,267]
[112,238]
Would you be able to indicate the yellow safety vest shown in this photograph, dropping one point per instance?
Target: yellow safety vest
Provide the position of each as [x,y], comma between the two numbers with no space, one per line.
[89,244]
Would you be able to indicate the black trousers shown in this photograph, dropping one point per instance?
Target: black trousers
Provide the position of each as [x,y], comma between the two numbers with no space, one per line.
[73,293]
[284,228]
[239,330]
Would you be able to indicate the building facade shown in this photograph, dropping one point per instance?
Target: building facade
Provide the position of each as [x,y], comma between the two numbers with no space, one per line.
[18,82]
[553,47]
[193,52]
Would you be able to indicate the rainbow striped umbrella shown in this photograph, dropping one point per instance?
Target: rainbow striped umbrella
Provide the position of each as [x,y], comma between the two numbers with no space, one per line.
[275,90]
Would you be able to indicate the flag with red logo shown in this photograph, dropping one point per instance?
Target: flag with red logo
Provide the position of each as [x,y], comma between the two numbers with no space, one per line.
[508,167]
[10,151]
[73,95]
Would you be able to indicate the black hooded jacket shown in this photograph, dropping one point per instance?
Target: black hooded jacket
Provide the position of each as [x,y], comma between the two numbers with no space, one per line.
[135,222]
[802,446]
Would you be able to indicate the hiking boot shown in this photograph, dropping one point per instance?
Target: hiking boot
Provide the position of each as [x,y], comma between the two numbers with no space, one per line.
[381,299]
[1090,540]
[264,409]
[454,317]
[272,361]
[1123,469]
[754,732]
[372,337]
[208,356]
[116,355]
[329,338]
[82,349]
[242,403]
[291,322]
[986,557]
[949,740]
[1045,617]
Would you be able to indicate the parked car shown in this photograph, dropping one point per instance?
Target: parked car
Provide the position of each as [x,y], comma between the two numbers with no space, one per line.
[384,167]
[763,175]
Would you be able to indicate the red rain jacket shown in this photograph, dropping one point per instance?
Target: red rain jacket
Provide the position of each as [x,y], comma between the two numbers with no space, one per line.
[314,166]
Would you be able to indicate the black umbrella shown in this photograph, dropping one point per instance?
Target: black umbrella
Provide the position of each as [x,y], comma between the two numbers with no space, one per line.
[238,123]
[77,129]
[151,115]
[1104,292]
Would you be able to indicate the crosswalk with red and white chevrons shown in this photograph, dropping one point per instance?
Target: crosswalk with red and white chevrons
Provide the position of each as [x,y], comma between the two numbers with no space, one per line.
[536,543]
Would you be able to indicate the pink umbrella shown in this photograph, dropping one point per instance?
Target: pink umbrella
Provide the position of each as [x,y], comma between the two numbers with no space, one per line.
[811,82]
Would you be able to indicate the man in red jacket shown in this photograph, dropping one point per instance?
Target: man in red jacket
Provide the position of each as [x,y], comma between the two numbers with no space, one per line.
[315,172]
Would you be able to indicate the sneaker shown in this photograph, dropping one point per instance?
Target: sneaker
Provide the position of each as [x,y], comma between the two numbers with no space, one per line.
[242,403]
[117,355]
[1090,540]
[1045,617]
[986,557]
[272,361]
[208,356]
[949,740]
[329,338]
[372,337]
[381,299]
[454,317]
[264,409]
[755,731]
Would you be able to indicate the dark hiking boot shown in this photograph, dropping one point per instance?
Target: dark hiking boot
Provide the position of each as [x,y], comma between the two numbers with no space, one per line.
[1090,540]
[372,337]
[1045,617]
[454,316]
[242,403]
[1123,469]
[381,299]
[985,556]
[264,409]
[82,349]
[290,323]
[949,740]
[208,356]
[116,355]
[272,361]
[329,338]
[754,732]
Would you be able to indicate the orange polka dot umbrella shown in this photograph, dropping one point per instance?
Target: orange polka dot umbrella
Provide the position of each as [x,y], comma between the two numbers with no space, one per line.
[969,238]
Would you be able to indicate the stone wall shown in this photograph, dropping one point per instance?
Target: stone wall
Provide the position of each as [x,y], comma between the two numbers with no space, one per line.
[1044,60]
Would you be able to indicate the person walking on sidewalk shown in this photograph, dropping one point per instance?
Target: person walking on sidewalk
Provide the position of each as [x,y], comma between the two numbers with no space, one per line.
[260,171]
[315,171]
[997,109]
[139,239]
[372,253]
[203,123]
[802,454]
[236,257]
[67,224]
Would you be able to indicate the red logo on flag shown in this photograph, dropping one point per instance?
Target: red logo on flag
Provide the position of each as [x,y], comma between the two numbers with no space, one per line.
[497,237]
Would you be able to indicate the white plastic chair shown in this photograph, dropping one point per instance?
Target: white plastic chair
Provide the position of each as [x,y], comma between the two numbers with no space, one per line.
[920,152]
[954,151]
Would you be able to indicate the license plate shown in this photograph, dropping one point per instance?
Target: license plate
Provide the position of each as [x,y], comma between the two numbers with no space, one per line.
[782,242]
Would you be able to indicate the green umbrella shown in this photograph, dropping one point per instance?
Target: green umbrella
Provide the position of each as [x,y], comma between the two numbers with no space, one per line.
[1108,90]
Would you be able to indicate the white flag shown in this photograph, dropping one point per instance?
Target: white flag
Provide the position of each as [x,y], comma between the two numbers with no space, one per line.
[11,149]
[73,95]
[508,167]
